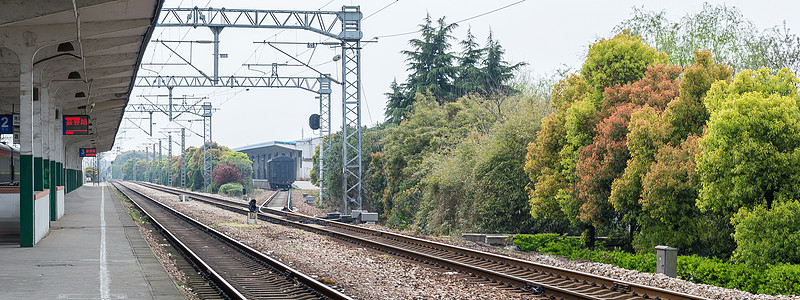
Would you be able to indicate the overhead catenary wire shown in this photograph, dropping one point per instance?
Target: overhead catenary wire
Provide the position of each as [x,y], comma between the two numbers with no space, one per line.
[456,22]
[377,11]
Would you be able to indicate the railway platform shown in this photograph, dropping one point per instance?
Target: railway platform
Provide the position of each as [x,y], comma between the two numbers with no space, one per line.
[94,252]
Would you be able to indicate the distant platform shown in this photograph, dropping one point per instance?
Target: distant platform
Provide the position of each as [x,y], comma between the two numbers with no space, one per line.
[94,252]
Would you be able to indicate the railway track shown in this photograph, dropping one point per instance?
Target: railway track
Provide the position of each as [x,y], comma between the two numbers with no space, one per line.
[502,271]
[278,200]
[235,270]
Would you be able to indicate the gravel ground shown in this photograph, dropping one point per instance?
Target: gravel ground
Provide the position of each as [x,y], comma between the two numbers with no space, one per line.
[649,279]
[368,274]
[358,272]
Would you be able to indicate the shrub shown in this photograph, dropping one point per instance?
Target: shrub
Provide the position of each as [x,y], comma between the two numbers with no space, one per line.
[780,279]
[226,173]
[768,236]
[231,189]
[531,242]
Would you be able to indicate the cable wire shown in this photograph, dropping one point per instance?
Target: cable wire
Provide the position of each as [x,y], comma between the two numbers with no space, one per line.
[456,22]
[377,11]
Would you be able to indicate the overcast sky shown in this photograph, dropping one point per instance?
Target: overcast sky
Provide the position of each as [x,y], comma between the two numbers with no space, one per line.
[548,35]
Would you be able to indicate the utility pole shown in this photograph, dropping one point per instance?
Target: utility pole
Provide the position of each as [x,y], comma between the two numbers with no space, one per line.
[147,162]
[155,170]
[169,161]
[159,160]
[183,158]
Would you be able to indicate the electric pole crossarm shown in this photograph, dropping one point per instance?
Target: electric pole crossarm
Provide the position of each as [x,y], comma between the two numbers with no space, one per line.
[322,22]
[143,107]
[307,83]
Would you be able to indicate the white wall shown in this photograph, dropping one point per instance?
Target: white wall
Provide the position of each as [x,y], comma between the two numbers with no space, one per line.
[9,214]
[41,218]
[59,204]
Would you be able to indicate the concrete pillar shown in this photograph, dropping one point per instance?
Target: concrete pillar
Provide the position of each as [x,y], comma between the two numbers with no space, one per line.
[47,142]
[38,163]
[59,149]
[26,201]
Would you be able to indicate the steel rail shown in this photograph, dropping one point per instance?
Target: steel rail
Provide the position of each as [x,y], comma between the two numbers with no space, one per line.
[223,285]
[620,287]
[300,277]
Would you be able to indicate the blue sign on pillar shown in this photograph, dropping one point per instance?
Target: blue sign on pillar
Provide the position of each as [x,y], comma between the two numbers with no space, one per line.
[87,152]
[6,124]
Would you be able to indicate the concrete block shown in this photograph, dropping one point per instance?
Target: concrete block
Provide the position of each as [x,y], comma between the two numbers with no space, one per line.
[369,217]
[356,214]
[498,240]
[346,219]
[474,237]
[183,198]
[252,218]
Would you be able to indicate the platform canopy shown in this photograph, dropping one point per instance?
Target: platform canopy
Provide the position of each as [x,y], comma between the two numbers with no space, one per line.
[83,56]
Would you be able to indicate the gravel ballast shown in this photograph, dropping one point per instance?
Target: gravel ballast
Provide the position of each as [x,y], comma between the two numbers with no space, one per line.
[356,271]
[368,274]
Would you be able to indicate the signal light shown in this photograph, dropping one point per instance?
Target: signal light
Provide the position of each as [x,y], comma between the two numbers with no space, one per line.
[253,205]
[313,121]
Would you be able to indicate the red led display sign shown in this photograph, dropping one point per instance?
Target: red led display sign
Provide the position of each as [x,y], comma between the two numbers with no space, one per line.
[76,125]
[88,152]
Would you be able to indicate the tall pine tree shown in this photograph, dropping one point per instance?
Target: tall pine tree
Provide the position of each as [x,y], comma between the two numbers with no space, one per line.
[497,72]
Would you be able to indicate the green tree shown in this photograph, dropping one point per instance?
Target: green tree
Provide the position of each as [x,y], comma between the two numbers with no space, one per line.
[751,149]
[470,75]
[398,105]
[496,73]
[620,60]
[583,201]
[688,114]
[669,193]
[780,48]
[768,236]
[91,172]
[430,63]
[499,172]
[243,165]
[120,161]
[546,174]
[723,30]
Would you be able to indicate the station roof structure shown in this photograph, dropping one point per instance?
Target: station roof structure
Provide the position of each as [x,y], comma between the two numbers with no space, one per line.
[85,52]
[267,144]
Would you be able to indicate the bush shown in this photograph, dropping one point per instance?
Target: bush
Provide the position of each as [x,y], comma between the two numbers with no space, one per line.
[780,279]
[768,236]
[531,242]
[231,189]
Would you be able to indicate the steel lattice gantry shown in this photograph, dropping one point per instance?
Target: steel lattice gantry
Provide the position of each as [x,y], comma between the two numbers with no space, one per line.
[344,25]
[204,110]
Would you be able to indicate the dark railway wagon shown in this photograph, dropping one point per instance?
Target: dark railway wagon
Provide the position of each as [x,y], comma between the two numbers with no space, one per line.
[9,176]
[281,172]
[9,165]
